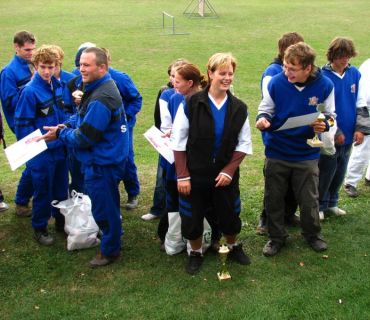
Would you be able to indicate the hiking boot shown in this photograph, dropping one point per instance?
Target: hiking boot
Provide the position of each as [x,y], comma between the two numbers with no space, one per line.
[337,211]
[43,237]
[238,255]
[23,211]
[101,260]
[262,226]
[317,244]
[148,216]
[194,263]
[321,216]
[59,224]
[131,203]
[3,206]
[293,221]
[215,245]
[272,248]
[351,191]
[367,182]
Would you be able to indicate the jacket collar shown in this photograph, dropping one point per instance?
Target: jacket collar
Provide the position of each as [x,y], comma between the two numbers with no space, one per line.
[20,60]
[93,85]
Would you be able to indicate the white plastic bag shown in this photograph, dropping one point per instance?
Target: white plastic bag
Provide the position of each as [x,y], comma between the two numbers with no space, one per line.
[80,225]
[174,241]
[328,139]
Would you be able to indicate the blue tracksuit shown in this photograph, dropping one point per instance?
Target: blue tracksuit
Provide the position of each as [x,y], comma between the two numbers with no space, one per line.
[65,76]
[98,133]
[132,101]
[15,76]
[40,104]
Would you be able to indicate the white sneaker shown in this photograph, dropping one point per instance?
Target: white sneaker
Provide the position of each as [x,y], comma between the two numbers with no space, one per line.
[149,216]
[321,215]
[3,206]
[337,211]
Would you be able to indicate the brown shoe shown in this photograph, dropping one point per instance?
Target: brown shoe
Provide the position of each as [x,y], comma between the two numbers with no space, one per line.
[100,260]
[23,211]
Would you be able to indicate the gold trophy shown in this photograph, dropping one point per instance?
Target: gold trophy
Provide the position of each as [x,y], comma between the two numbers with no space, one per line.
[223,251]
[315,142]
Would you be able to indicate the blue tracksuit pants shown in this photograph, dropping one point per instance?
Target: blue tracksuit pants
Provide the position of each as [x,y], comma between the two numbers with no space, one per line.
[102,184]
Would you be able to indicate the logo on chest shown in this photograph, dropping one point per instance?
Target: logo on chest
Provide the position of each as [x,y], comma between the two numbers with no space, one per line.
[313,101]
[353,88]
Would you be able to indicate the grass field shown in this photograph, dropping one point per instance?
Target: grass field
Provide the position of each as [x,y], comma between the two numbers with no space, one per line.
[52,283]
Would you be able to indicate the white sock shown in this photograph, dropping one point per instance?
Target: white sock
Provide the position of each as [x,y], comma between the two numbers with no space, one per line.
[199,250]
[230,245]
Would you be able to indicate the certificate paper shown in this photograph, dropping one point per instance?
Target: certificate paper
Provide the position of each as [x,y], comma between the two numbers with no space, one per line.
[299,121]
[154,136]
[25,149]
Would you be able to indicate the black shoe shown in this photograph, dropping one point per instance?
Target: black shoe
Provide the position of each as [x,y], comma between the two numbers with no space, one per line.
[317,244]
[59,224]
[238,255]
[194,263]
[367,182]
[272,248]
[351,191]
[43,237]
[262,226]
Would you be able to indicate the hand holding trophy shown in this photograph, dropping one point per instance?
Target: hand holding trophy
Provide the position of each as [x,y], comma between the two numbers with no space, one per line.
[315,142]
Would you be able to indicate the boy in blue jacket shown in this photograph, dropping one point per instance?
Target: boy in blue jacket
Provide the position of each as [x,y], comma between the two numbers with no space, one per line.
[40,104]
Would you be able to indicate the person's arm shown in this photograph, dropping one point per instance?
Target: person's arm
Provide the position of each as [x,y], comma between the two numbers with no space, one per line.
[9,96]
[178,141]
[166,119]
[91,129]
[243,148]
[130,95]
[266,111]
[25,113]
[362,120]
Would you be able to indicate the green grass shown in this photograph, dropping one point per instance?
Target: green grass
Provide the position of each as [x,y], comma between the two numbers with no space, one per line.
[148,284]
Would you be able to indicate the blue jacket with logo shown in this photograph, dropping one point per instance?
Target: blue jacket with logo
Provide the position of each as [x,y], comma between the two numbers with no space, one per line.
[14,76]
[98,131]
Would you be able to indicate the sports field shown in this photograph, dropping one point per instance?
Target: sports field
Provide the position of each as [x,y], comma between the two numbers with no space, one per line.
[51,283]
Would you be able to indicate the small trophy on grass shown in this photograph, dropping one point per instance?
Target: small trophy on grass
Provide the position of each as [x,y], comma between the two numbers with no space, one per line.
[223,251]
[315,142]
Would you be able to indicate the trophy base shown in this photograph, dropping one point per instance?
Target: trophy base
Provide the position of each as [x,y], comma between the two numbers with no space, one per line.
[223,277]
[315,143]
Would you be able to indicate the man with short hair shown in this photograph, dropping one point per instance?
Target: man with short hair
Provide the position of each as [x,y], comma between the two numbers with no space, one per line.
[41,104]
[14,77]
[352,120]
[99,136]
[298,91]
[276,67]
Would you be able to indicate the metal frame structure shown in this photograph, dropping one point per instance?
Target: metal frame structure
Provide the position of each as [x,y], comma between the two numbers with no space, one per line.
[173,26]
[201,5]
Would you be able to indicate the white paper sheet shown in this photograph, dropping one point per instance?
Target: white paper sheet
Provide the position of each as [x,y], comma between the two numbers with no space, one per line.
[299,121]
[25,149]
[154,136]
